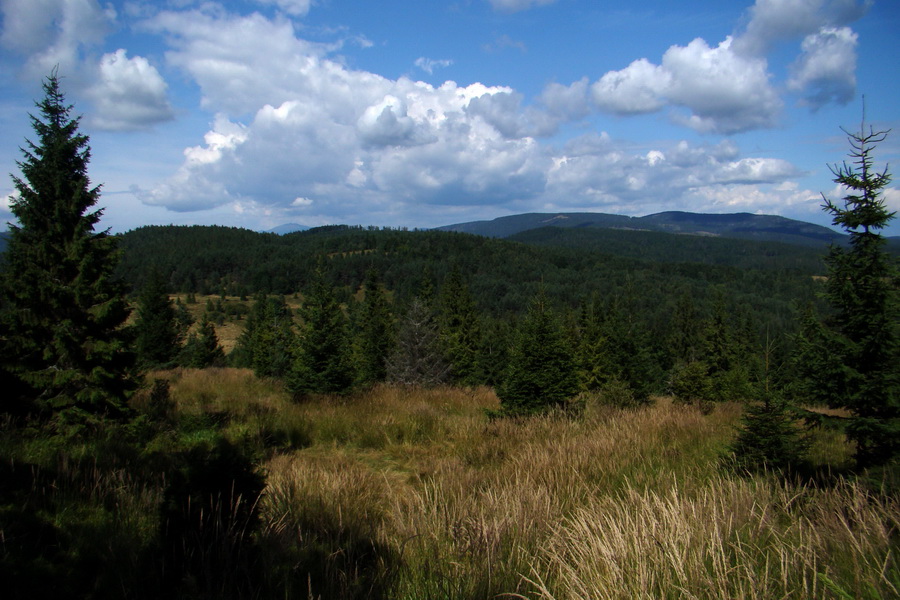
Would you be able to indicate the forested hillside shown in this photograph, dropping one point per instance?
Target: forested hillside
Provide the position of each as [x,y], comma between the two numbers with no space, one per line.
[572,264]
[662,284]
[769,228]
[674,248]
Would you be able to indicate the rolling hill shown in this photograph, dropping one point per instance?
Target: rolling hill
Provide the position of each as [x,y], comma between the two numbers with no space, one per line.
[768,228]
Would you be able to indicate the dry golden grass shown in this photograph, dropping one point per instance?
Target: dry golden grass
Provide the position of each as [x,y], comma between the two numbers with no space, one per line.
[222,389]
[417,494]
[731,539]
[229,331]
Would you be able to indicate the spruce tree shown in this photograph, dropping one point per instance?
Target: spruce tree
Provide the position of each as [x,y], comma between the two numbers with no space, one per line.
[158,334]
[769,436]
[726,355]
[612,354]
[417,358]
[460,330]
[322,363]
[628,349]
[202,348]
[812,363]
[267,343]
[863,332]
[183,319]
[375,339]
[542,371]
[590,351]
[685,338]
[724,361]
[63,309]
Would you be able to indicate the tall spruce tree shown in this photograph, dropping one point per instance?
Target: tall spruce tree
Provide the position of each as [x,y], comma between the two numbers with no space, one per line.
[267,343]
[158,334]
[612,352]
[63,308]
[591,357]
[322,363]
[864,329]
[375,340]
[726,354]
[460,330]
[542,372]
[628,348]
[685,338]
[417,358]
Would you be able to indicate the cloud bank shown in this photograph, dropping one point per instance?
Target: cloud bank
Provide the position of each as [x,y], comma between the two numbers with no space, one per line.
[298,134]
[128,93]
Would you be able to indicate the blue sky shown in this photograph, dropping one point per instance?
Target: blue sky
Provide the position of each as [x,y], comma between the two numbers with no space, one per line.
[255,113]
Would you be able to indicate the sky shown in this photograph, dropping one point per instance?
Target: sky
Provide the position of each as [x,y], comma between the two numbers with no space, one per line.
[421,113]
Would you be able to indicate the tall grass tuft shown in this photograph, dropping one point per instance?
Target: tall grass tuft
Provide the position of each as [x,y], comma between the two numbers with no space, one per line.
[734,538]
[327,513]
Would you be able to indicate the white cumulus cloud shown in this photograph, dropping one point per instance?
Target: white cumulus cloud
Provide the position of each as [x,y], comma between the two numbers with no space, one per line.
[825,71]
[727,89]
[891,199]
[53,33]
[301,136]
[387,123]
[722,91]
[773,21]
[639,88]
[596,173]
[300,124]
[129,93]
[567,102]
[504,112]
[270,65]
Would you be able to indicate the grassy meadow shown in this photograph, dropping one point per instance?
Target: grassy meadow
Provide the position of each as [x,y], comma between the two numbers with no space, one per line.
[231,324]
[416,494]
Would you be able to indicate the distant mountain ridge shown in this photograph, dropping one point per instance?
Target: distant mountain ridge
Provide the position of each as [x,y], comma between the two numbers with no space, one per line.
[735,225]
[287,228]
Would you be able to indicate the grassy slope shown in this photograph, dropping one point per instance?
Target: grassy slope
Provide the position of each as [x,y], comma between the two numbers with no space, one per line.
[407,493]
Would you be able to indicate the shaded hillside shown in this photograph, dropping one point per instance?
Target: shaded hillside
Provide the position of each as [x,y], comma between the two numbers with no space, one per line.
[672,248]
[513,224]
[767,228]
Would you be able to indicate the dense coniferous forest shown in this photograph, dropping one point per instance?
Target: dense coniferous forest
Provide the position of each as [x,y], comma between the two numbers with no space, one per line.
[573,266]
[644,274]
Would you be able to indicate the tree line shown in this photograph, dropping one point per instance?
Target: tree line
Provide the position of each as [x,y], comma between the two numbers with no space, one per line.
[487,286]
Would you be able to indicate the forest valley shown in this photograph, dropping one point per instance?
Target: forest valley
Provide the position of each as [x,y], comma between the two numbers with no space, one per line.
[350,412]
